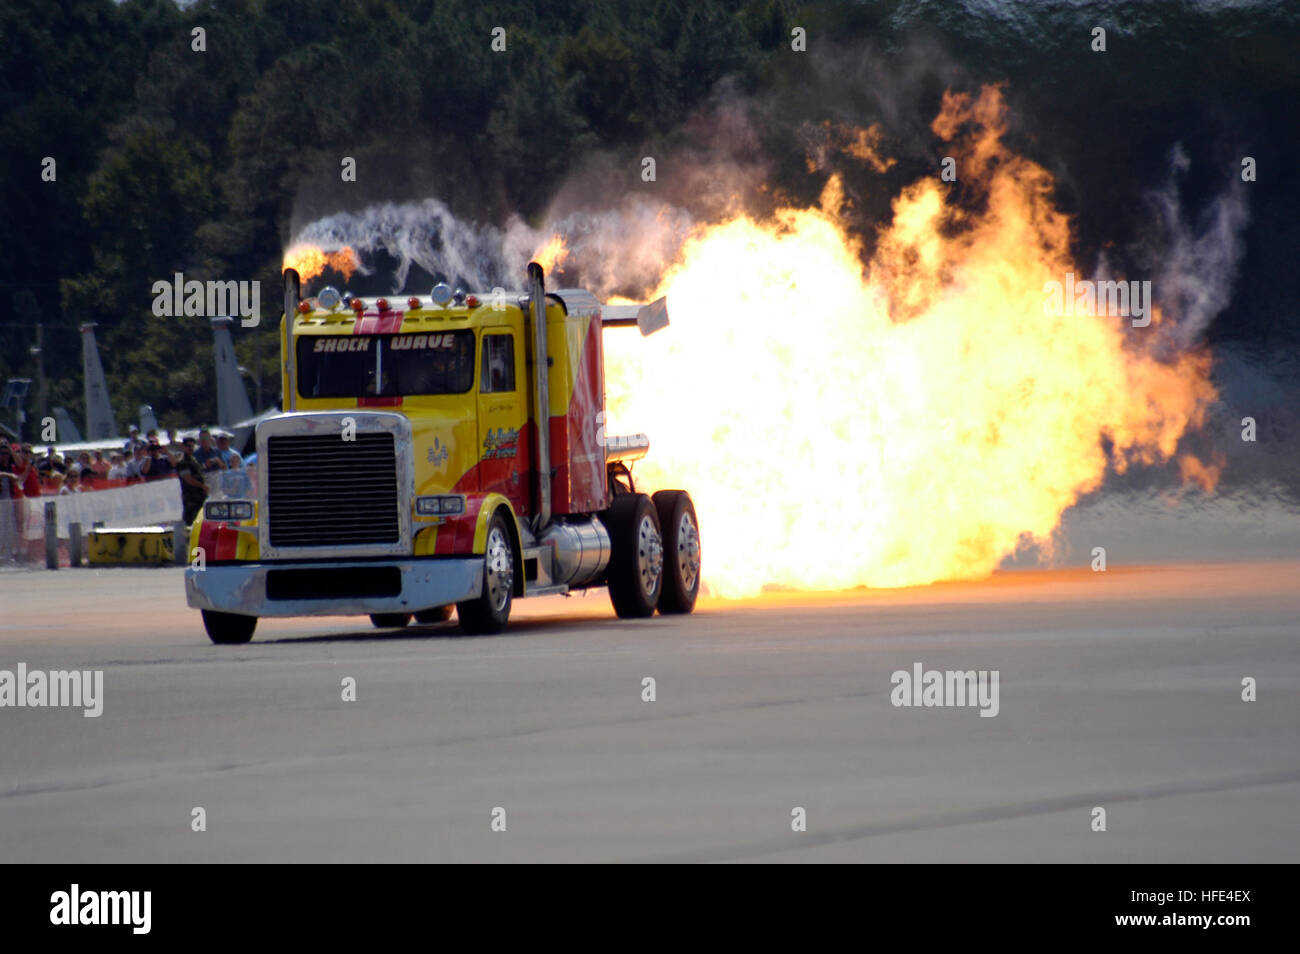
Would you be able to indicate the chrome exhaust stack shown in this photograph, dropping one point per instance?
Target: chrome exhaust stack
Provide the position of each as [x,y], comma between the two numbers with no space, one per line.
[292,295]
[541,398]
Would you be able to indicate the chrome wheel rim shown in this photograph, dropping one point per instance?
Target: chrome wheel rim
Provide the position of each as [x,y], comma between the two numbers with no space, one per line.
[499,572]
[688,551]
[649,555]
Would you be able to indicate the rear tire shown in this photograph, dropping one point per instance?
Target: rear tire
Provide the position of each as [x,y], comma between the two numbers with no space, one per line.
[390,620]
[439,614]
[681,532]
[635,576]
[489,612]
[228,629]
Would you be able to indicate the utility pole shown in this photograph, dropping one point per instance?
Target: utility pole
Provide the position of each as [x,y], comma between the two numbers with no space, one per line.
[41,394]
[257,367]
[28,311]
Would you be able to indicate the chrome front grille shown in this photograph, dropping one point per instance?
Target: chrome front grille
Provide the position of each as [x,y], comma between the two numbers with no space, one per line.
[323,491]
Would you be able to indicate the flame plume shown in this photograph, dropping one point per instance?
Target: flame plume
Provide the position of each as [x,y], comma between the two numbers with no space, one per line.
[918,421]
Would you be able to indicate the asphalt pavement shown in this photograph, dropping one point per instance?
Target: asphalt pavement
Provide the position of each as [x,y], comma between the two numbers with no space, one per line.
[1120,691]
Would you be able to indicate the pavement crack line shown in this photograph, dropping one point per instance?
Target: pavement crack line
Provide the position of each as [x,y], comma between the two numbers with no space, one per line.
[71,786]
[991,813]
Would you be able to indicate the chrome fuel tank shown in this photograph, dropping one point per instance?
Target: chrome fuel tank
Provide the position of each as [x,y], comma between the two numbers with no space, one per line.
[580,550]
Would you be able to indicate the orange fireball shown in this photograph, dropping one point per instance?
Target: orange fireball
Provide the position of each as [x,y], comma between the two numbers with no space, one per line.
[311,260]
[551,256]
[919,420]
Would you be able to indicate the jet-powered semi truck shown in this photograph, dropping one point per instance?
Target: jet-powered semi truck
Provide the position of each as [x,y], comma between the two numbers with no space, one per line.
[448,453]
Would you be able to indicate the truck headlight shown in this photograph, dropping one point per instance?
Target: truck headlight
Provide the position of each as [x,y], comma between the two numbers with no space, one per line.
[439,506]
[228,510]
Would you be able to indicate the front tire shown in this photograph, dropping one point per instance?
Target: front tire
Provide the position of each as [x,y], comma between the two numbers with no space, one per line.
[228,629]
[635,576]
[390,620]
[681,531]
[489,612]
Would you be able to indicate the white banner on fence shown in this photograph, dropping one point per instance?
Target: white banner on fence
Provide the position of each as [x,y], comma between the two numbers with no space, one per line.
[136,505]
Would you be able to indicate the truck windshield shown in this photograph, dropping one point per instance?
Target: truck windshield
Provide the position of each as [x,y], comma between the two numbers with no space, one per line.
[385,365]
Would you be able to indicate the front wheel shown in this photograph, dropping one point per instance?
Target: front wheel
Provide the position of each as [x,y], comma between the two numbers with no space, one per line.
[390,620]
[228,629]
[635,576]
[681,551]
[490,611]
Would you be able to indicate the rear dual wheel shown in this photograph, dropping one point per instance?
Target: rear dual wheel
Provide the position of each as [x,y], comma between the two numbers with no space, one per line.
[655,559]
[636,562]
[681,542]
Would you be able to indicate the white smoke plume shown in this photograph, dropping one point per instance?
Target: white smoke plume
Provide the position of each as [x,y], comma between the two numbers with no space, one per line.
[618,251]
[621,250]
[423,233]
[1195,265]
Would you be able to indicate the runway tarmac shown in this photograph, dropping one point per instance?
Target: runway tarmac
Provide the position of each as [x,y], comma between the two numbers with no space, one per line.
[1119,690]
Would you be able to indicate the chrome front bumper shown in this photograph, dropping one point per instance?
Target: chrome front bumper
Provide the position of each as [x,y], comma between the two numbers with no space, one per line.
[323,589]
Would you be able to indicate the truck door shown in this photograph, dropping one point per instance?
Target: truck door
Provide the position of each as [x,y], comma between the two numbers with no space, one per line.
[502,414]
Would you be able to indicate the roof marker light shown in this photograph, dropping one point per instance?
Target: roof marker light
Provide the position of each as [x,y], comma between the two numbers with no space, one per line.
[471,301]
[381,304]
[357,305]
[412,303]
[304,306]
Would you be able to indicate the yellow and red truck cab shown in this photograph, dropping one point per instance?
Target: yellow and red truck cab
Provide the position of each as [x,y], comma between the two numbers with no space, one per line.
[409,473]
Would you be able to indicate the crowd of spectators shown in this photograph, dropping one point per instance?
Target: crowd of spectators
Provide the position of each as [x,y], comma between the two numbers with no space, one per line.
[25,472]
